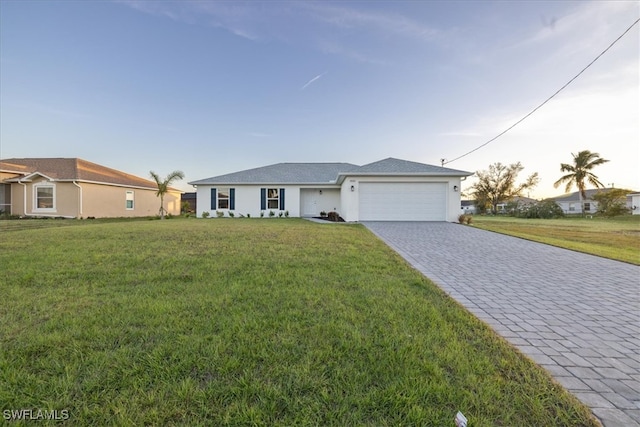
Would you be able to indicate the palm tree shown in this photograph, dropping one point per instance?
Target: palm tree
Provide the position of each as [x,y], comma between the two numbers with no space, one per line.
[163,186]
[579,172]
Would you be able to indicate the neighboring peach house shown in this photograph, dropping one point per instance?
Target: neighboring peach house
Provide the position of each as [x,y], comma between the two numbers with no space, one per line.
[76,188]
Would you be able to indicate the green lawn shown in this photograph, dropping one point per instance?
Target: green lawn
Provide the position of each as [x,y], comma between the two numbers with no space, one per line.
[249,322]
[616,238]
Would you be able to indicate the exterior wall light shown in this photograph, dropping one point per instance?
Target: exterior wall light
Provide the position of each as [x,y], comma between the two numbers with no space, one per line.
[321,192]
[353,188]
[455,188]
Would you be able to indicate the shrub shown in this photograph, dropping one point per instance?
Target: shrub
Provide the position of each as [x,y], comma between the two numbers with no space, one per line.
[546,209]
[205,214]
[333,216]
[612,203]
[280,214]
[231,214]
[465,219]
[248,215]
[286,214]
[219,214]
[261,214]
[271,214]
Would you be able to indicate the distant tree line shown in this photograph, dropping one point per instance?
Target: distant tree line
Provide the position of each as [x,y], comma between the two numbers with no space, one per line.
[498,186]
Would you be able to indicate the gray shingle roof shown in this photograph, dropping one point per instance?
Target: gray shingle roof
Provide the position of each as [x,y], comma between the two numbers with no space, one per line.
[283,173]
[398,166]
[575,197]
[325,173]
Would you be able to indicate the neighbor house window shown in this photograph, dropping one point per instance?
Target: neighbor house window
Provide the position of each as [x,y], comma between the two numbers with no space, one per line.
[571,207]
[129,200]
[587,207]
[44,197]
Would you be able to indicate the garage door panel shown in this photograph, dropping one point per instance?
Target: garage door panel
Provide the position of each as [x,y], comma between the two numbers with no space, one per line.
[410,201]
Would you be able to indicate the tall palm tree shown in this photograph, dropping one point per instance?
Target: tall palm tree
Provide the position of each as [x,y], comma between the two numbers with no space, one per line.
[163,186]
[579,172]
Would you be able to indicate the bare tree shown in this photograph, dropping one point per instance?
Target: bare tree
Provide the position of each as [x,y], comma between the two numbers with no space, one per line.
[498,184]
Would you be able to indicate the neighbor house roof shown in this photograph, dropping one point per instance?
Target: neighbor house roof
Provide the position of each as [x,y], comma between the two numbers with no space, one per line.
[326,173]
[72,169]
[575,196]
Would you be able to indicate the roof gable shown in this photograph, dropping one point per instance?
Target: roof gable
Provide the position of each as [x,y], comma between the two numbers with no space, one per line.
[397,166]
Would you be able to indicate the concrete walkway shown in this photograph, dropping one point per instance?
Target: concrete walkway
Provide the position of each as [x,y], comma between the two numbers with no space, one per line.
[576,315]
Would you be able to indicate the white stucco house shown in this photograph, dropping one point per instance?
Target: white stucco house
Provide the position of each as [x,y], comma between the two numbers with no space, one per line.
[571,203]
[386,190]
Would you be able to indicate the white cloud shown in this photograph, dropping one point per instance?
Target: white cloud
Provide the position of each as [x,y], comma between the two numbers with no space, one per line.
[259,134]
[312,80]
[589,24]
[386,23]
[315,24]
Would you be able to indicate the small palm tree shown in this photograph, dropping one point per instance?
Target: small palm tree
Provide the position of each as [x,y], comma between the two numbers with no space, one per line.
[579,172]
[163,186]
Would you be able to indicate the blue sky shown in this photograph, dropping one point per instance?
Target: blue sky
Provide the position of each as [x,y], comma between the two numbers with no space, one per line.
[212,87]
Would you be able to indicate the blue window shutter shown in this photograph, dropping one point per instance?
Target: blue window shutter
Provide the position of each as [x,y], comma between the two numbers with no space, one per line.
[282,199]
[263,198]
[232,198]
[214,205]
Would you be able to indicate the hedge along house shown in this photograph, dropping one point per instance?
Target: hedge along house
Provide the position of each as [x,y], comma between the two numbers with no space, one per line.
[75,188]
[387,190]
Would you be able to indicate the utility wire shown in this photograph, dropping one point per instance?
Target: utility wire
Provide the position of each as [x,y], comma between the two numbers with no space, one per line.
[444,162]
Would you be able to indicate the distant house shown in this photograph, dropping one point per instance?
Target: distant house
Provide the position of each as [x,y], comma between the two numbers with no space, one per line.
[634,203]
[74,188]
[468,207]
[570,202]
[387,190]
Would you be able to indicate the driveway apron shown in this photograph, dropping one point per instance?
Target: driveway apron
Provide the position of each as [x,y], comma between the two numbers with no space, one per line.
[576,315]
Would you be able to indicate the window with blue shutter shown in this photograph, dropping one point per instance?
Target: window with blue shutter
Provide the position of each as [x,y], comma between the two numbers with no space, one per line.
[232,198]
[213,199]
[263,198]
[282,199]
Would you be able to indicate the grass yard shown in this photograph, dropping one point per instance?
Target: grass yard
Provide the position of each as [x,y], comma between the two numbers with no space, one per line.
[249,322]
[615,238]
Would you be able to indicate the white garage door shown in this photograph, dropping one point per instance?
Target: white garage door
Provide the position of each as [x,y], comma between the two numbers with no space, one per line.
[402,201]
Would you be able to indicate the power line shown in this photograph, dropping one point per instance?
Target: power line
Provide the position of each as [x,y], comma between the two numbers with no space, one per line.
[444,161]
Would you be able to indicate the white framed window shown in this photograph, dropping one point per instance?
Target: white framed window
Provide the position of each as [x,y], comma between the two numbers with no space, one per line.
[273,200]
[44,197]
[587,207]
[129,201]
[223,198]
[571,207]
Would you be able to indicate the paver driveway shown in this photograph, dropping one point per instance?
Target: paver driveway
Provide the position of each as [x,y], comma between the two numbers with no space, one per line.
[577,315]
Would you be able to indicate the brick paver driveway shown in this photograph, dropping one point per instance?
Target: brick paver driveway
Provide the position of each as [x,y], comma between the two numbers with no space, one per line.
[576,315]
